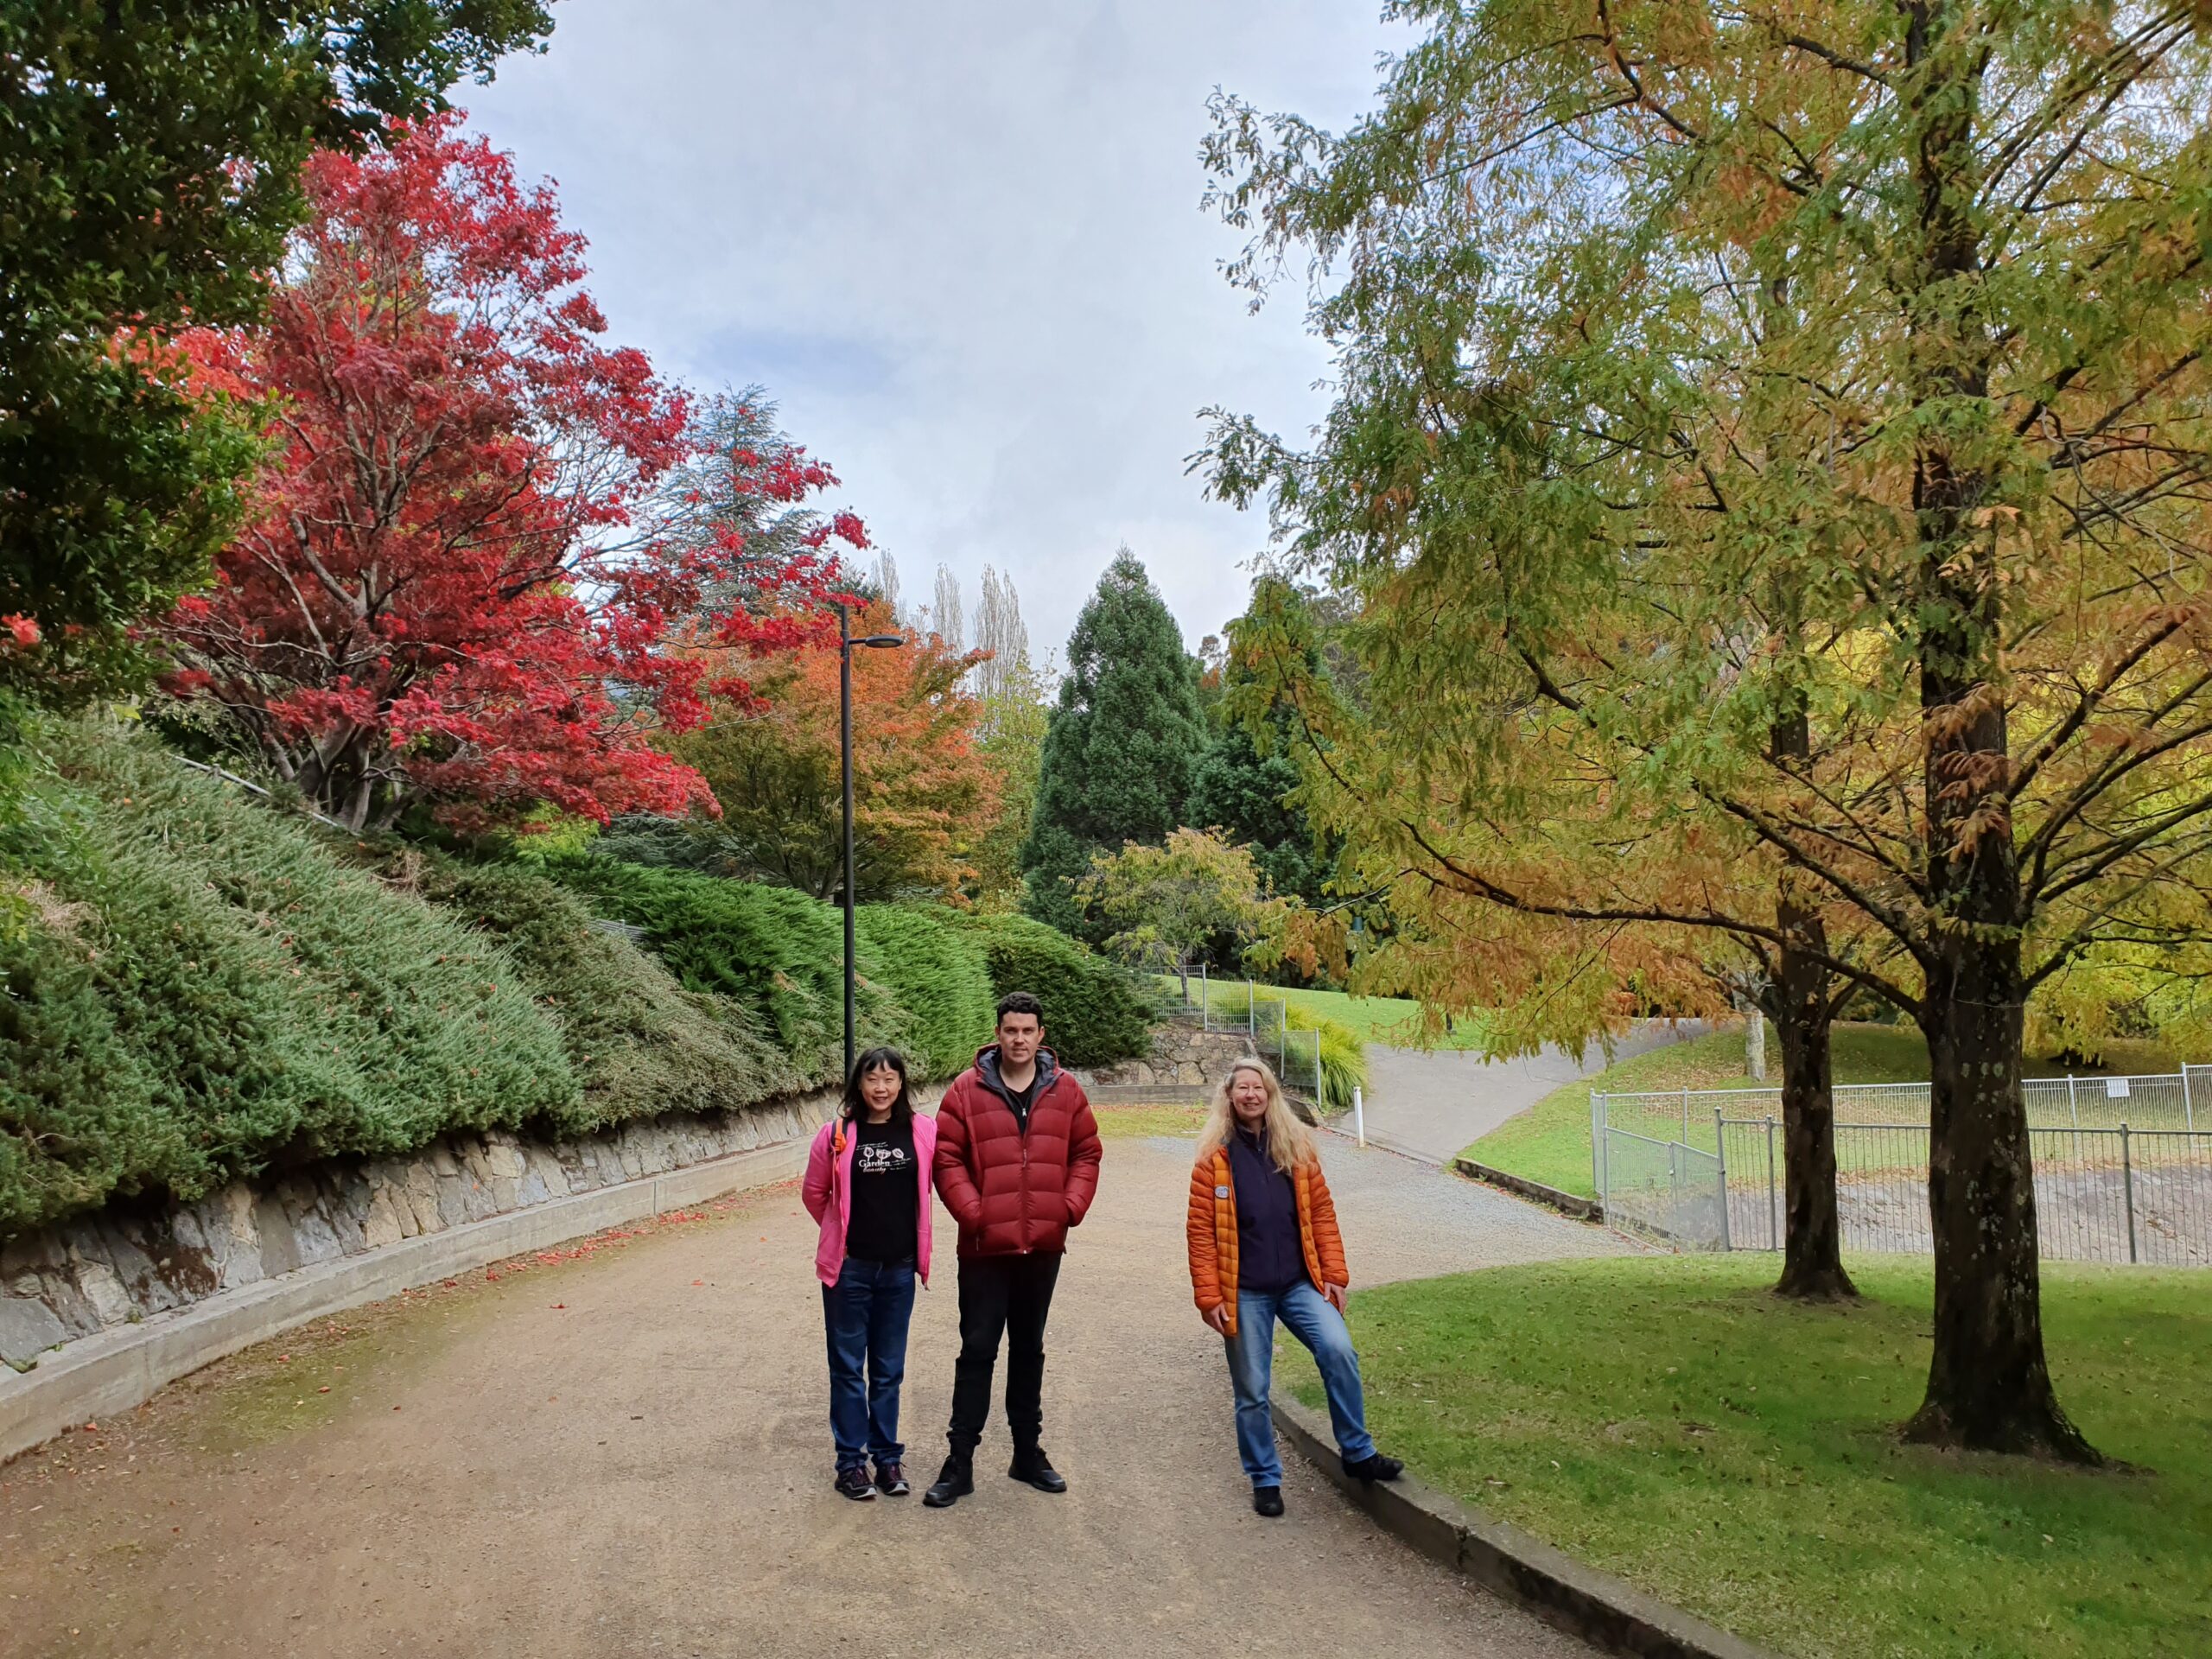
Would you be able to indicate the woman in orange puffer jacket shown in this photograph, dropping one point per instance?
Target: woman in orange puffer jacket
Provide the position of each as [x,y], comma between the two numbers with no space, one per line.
[1264,1246]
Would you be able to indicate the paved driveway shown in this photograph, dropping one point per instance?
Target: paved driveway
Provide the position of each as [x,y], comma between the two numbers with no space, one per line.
[626,1455]
[1432,1104]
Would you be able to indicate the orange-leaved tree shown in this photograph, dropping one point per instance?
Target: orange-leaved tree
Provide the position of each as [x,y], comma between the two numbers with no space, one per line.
[923,794]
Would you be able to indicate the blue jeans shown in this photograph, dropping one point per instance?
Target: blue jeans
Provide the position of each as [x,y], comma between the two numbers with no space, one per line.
[866,1312]
[1307,1314]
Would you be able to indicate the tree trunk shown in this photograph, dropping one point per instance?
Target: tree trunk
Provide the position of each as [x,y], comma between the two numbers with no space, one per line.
[1812,1242]
[1988,1386]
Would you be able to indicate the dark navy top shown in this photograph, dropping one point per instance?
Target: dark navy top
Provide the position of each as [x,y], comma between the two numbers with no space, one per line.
[1268,1255]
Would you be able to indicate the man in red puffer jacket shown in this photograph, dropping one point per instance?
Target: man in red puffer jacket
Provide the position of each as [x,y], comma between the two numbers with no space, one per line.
[1017,1164]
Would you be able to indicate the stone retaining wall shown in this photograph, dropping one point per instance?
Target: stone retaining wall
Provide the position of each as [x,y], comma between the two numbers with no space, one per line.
[121,1265]
[1181,1055]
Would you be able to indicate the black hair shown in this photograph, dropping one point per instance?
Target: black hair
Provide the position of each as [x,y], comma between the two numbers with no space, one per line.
[1019,1002]
[902,1110]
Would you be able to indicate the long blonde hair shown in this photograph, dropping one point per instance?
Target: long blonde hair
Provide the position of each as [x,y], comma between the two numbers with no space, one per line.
[1290,1143]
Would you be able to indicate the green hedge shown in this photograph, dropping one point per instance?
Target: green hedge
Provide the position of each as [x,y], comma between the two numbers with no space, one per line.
[639,1042]
[776,952]
[194,986]
[191,984]
[1094,1012]
[937,972]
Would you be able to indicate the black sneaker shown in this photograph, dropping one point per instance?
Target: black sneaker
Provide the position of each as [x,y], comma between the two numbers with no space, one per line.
[954,1482]
[854,1484]
[1268,1501]
[1374,1466]
[1031,1465]
[891,1479]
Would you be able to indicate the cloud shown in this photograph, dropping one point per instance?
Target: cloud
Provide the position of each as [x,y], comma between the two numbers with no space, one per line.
[961,246]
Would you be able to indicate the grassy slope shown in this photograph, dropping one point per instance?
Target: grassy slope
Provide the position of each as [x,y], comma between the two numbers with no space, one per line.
[1550,1141]
[1666,1419]
[1392,1022]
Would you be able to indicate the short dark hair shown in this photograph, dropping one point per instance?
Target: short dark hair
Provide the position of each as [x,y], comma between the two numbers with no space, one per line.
[855,1105]
[1019,1002]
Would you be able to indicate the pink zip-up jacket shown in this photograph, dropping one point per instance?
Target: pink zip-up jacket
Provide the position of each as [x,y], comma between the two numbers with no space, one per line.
[828,1191]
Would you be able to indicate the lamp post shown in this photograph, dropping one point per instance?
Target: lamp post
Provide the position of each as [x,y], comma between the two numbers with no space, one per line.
[845,644]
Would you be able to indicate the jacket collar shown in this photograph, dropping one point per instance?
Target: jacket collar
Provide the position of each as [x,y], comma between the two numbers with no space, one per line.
[987,1069]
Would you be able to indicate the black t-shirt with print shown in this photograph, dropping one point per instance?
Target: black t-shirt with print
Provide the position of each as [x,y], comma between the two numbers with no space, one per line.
[887,1190]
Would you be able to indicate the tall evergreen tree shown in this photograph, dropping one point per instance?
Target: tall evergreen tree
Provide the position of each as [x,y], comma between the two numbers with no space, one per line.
[1248,770]
[1124,741]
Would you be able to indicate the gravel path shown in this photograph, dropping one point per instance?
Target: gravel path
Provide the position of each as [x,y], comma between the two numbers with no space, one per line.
[625,1455]
[1432,1104]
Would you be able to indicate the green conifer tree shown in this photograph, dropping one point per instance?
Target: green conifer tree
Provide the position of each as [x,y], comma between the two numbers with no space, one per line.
[1123,743]
[1249,768]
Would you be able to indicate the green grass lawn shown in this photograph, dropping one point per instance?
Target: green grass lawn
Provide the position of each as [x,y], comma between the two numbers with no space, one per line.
[1550,1141]
[1139,1122]
[1669,1420]
[1390,1020]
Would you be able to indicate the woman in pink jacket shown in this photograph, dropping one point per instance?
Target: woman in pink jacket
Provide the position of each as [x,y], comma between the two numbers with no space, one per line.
[868,1183]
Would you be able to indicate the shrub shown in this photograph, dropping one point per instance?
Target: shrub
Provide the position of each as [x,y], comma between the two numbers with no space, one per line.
[1095,1013]
[938,974]
[1343,1057]
[776,952]
[195,985]
[640,1043]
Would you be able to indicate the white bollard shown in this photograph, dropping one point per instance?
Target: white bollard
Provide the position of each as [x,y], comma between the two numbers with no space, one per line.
[1358,1114]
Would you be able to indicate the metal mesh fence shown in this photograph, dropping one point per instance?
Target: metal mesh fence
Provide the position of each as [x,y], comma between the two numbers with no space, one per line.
[1664,1190]
[2110,1192]
[1239,1006]
[2166,1101]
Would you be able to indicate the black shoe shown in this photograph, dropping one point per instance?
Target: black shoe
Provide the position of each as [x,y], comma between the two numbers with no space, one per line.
[954,1482]
[1031,1464]
[854,1484]
[1268,1501]
[891,1479]
[1374,1466]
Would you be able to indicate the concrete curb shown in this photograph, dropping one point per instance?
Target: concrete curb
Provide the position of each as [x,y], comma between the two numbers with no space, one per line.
[99,1375]
[1609,1613]
[1566,1202]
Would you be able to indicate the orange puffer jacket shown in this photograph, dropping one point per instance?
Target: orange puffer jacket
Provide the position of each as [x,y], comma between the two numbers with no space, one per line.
[1212,1233]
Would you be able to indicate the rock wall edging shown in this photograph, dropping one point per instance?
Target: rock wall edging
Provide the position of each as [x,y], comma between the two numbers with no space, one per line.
[121,1265]
[1182,1055]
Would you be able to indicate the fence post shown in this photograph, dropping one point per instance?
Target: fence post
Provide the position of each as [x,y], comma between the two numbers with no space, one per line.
[1359,1114]
[1205,1000]
[1720,1154]
[2072,1115]
[2188,1113]
[1773,1205]
[1674,1193]
[1251,1017]
[1598,1143]
[1686,1114]
[1604,1166]
[2127,1186]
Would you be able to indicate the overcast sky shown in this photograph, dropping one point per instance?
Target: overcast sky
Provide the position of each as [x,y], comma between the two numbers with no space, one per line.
[960,242]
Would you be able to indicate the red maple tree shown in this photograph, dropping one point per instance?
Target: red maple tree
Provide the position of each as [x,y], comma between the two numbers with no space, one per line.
[460,568]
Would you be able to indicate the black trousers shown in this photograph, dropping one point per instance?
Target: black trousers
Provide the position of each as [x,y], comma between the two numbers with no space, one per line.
[1009,1296]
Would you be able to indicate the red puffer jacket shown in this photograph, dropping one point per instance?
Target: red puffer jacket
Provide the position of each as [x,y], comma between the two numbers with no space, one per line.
[1012,1189]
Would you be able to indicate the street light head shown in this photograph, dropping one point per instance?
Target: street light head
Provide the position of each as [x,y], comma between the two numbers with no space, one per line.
[882,641]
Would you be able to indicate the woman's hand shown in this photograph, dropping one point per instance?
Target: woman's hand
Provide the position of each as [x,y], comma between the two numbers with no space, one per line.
[1217,1317]
[1337,1295]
